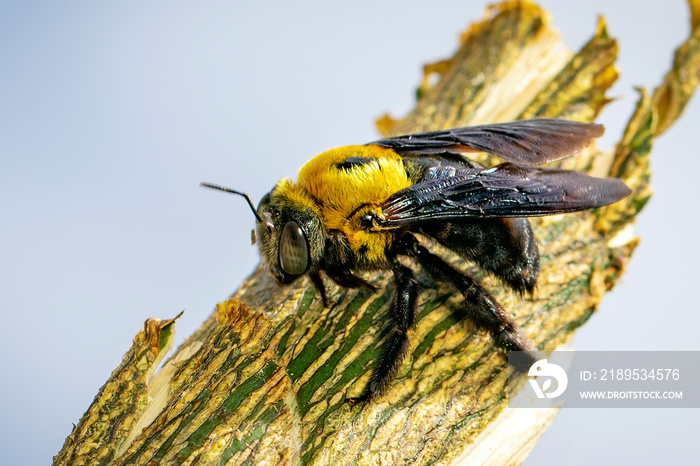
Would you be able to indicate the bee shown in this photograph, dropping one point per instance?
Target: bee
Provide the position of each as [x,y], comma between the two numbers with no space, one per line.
[359,208]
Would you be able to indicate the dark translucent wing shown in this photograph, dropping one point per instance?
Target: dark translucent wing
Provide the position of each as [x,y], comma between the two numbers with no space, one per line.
[507,190]
[526,142]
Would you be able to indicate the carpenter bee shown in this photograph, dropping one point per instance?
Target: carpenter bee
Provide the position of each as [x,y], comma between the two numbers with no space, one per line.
[359,208]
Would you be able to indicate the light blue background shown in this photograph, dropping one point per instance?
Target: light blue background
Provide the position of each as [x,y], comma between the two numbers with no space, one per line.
[112,113]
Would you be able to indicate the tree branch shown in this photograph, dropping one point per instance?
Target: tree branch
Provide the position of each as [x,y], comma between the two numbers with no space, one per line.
[266,376]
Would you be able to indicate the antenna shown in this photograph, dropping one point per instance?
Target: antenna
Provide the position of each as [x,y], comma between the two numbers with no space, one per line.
[229,190]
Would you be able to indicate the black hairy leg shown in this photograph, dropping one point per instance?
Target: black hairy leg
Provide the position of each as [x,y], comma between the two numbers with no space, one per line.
[482,308]
[318,284]
[348,280]
[505,247]
[344,279]
[396,344]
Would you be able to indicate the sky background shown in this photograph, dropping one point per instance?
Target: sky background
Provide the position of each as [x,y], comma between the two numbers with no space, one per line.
[111,113]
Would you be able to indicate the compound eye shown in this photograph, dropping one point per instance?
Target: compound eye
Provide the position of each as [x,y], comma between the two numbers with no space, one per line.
[293,250]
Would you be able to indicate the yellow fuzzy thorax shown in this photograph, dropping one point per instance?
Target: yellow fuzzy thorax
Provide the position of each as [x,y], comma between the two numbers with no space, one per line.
[343,195]
[341,192]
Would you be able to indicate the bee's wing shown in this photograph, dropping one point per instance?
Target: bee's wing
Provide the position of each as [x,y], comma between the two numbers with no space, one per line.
[526,142]
[507,190]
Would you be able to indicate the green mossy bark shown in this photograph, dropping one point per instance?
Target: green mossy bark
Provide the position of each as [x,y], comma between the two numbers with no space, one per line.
[264,379]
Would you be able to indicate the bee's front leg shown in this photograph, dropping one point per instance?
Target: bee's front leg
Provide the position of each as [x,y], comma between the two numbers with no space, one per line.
[349,280]
[318,284]
[395,346]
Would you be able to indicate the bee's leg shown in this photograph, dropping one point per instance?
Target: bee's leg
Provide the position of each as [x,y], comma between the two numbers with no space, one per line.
[318,284]
[396,344]
[482,308]
[348,280]
[504,247]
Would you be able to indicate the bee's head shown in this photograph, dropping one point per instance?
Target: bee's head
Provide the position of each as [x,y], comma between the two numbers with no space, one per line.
[288,230]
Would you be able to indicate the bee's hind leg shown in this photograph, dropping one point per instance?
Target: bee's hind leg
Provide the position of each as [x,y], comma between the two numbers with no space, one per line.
[482,308]
[396,344]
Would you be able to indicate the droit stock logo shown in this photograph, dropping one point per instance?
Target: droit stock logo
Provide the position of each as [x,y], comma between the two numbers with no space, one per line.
[546,372]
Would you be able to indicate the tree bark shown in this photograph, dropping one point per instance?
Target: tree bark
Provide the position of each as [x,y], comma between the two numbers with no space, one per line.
[265,377]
